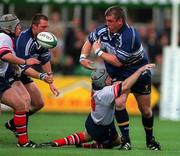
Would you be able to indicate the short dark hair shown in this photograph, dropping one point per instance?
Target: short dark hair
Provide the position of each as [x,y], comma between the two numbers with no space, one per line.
[117,12]
[37,17]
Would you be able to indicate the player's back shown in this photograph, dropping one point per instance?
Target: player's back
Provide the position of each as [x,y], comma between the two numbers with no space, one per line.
[103,105]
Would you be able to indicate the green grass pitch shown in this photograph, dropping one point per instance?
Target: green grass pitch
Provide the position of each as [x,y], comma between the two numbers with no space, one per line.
[48,126]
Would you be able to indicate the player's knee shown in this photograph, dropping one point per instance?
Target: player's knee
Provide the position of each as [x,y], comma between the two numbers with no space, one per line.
[39,105]
[147,113]
[27,99]
[21,107]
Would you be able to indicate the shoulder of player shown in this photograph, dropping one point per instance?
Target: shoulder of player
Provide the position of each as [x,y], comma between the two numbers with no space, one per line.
[25,38]
[6,40]
[25,34]
[5,37]
[130,31]
[101,29]
[107,88]
[6,44]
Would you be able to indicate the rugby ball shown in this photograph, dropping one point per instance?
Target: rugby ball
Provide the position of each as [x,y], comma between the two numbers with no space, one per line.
[47,40]
[99,77]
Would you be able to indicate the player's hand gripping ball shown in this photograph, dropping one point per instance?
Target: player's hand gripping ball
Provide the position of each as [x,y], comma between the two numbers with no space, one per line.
[47,40]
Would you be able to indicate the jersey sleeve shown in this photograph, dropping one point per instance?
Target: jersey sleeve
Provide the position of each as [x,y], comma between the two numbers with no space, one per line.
[45,55]
[6,45]
[131,49]
[117,89]
[94,36]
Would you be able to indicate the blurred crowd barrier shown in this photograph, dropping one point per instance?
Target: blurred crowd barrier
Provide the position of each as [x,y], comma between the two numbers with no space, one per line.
[75,96]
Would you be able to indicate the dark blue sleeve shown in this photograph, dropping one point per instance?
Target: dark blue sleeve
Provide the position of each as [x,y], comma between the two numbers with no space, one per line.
[94,36]
[45,55]
[130,50]
[24,67]
[20,44]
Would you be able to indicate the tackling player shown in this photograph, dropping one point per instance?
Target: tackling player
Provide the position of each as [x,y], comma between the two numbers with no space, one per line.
[100,122]
[12,92]
[119,45]
[27,47]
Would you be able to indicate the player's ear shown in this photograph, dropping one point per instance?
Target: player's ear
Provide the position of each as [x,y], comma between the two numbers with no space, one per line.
[120,21]
[34,26]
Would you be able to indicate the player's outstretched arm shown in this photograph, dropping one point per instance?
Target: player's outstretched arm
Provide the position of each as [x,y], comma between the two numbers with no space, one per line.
[42,76]
[47,68]
[127,83]
[54,90]
[83,60]
[16,60]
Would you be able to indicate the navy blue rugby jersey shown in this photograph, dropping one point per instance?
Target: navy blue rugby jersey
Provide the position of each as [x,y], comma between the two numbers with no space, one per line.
[127,47]
[27,47]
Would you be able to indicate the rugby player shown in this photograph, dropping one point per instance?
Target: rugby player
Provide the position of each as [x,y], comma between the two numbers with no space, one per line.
[12,92]
[119,45]
[27,47]
[100,122]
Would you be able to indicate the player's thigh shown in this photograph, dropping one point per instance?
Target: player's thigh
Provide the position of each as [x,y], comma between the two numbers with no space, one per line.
[35,94]
[144,104]
[12,98]
[21,90]
[143,84]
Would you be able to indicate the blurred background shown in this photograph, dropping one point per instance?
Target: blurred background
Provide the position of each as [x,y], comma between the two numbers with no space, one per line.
[72,20]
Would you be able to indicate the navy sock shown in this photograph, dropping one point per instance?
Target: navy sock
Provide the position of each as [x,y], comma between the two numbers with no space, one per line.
[122,119]
[148,127]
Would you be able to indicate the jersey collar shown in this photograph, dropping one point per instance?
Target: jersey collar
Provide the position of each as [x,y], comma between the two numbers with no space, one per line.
[118,33]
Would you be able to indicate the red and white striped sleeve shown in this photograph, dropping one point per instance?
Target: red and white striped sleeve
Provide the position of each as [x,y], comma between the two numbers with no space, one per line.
[4,51]
[6,45]
[117,89]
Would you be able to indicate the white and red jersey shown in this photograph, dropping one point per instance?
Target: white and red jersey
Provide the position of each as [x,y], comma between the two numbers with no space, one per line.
[6,46]
[102,103]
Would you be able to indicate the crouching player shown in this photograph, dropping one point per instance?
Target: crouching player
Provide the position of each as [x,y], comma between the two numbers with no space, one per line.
[12,91]
[100,122]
